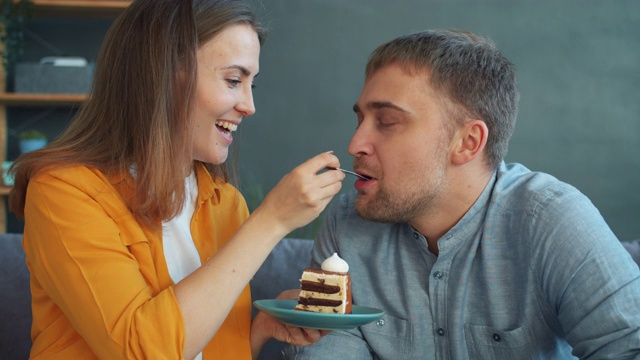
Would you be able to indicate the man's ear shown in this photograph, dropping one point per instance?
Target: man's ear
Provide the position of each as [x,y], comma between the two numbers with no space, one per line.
[469,141]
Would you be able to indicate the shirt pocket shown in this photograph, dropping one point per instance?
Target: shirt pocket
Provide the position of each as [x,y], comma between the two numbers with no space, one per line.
[385,334]
[137,243]
[485,342]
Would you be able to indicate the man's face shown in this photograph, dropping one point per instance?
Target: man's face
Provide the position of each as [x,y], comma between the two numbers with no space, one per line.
[400,142]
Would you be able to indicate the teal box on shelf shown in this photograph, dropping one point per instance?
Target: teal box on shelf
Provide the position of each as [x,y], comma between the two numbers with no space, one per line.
[6,178]
[59,76]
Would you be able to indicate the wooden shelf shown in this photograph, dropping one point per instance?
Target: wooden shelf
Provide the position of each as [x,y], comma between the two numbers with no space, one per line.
[58,9]
[77,8]
[33,99]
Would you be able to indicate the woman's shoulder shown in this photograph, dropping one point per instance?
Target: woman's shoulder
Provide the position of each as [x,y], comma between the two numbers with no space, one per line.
[86,178]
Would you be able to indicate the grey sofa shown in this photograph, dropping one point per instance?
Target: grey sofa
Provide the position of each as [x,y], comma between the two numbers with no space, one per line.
[280,271]
[15,299]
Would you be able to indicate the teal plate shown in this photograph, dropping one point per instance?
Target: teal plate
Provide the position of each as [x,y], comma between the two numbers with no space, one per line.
[283,311]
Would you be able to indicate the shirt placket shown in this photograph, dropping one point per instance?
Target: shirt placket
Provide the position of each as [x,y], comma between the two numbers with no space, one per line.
[438,281]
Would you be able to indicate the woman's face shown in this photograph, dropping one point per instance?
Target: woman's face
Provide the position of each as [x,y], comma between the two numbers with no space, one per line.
[227,65]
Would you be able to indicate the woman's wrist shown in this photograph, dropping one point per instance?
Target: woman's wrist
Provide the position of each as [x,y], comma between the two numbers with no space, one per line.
[264,216]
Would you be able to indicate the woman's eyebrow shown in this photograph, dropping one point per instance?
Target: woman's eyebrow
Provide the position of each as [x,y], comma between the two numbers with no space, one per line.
[244,70]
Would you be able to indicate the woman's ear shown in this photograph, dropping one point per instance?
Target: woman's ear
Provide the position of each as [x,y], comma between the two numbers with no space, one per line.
[469,141]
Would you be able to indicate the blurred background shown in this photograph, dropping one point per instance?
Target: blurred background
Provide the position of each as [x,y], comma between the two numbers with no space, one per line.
[577,61]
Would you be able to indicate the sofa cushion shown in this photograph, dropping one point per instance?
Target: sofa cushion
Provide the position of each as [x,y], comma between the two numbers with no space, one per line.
[280,271]
[282,268]
[15,299]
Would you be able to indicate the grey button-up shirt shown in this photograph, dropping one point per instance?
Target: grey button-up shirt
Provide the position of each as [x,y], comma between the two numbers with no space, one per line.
[532,271]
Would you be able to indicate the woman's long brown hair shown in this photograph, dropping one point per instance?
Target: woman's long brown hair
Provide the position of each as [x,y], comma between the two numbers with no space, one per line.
[136,117]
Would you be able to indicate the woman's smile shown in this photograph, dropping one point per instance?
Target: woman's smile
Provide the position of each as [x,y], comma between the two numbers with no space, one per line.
[226,128]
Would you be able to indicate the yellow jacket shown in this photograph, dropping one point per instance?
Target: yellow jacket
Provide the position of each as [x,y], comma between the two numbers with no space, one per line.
[99,281]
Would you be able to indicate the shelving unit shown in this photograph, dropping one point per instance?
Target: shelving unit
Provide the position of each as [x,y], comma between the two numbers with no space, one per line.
[49,8]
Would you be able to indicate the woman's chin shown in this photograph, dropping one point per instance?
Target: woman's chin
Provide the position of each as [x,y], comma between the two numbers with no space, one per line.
[212,158]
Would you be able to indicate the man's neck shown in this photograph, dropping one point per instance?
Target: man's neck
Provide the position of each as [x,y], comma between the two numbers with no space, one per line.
[462,192]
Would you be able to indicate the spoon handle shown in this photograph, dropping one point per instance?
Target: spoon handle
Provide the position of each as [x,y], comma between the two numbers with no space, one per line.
[349,172]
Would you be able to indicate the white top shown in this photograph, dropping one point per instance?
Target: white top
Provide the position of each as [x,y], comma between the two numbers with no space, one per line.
[179,250]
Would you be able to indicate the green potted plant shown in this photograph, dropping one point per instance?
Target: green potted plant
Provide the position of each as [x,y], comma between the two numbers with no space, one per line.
[13,17]
[31,140]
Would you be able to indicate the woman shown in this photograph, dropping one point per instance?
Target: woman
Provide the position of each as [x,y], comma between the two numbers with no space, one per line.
[138,246]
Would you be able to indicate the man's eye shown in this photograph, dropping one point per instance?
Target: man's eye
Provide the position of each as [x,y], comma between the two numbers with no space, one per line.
[386,123]
[234,82]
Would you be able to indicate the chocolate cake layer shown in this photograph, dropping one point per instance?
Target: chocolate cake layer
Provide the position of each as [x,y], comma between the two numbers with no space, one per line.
[319,302]
[319,287]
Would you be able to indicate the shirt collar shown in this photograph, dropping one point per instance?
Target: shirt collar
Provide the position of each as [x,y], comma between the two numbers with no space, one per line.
[474,218]
[208,187]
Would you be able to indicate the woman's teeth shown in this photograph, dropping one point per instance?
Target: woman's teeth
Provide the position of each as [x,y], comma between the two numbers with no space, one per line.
[227,125]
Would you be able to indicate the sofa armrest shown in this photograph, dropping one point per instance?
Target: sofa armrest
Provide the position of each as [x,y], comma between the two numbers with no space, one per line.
[15,299]
[633,247]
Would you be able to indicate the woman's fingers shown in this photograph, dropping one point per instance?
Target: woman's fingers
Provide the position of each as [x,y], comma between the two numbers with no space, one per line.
[301,195]
[303,336]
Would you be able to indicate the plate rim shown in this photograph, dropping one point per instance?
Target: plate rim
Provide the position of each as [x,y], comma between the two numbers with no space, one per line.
[345,321]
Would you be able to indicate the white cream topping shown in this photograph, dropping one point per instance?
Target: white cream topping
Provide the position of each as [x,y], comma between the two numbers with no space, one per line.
[336,264]
[227,125]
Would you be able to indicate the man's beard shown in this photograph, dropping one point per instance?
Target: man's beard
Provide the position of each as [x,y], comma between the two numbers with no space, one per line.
[401,207]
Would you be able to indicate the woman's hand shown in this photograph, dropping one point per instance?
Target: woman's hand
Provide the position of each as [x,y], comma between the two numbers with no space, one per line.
[301,195]
[265,327]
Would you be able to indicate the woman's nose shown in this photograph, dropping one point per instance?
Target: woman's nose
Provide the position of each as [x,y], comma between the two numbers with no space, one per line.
[246,105]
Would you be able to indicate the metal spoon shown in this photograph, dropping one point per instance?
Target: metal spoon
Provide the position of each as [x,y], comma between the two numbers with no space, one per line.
[349,172]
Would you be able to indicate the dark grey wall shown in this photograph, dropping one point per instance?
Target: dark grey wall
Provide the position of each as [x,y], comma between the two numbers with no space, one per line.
[578,63]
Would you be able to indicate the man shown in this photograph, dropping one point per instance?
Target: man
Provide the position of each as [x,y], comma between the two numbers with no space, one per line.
[469,257]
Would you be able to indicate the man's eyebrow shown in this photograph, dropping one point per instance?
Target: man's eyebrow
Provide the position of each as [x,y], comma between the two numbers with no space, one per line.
[376,105]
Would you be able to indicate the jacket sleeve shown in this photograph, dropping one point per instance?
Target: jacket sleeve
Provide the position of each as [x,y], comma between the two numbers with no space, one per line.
[79,259]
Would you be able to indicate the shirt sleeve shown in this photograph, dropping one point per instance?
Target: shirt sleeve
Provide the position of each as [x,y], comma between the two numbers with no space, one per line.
[79,261]
[588,279]
[348,345]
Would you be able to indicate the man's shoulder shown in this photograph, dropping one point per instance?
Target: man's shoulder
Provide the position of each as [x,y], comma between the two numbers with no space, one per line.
[521,187]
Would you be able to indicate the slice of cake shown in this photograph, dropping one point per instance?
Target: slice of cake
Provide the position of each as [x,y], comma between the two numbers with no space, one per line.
[327,290]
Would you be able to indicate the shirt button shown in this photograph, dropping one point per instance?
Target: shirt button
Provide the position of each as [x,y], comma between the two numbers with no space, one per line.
[496,337]
[415,235]
[441,331]
[438,275]
[380,322]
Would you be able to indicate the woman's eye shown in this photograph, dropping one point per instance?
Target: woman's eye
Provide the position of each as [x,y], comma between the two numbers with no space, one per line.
[234,82]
